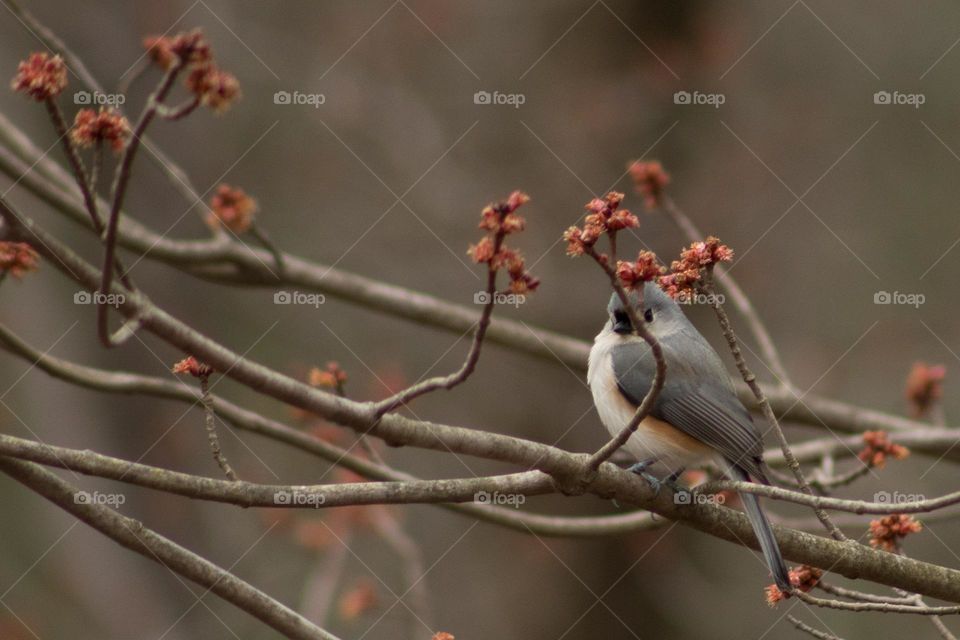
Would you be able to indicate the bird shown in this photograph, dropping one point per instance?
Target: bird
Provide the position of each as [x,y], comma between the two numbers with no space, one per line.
[697,417]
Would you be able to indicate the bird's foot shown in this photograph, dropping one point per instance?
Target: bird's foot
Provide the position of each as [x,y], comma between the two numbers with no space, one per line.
[652,480]
[639,467]
[672,482]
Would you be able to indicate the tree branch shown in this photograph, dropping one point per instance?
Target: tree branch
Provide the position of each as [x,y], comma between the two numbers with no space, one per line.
[133,535]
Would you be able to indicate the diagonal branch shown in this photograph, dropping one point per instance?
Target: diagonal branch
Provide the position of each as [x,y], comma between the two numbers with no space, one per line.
[133,535]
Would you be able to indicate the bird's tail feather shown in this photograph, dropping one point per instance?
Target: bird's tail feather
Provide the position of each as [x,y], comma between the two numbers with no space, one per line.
[763,531]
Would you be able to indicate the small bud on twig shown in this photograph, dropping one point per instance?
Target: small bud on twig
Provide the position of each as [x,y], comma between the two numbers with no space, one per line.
[193,367]
[685,273]
[924,387]
[633,274]
[191,47]
[650,180]
[330,377]
[887,532]
[213,87]
[232,208]
[500,220]
[17,258]
[41,77]
[106,125]
[804,578]
[877,446]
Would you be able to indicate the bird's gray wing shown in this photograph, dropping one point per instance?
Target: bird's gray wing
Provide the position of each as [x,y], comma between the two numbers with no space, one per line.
[692,400]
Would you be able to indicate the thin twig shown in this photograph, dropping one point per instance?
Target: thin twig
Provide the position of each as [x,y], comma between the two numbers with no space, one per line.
[656,385]
[178,111]
[76,163]
[267,243]
[739,298]
[473,355]
[862,596]
[833,504]
[211,424]
[816,633]
[133,535]
[768,414]
[882,607]
[119,190]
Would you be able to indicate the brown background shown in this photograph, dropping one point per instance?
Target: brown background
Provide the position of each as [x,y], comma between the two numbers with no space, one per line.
[879,190]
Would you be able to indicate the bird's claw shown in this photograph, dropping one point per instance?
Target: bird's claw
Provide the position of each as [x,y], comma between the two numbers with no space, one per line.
[653,481]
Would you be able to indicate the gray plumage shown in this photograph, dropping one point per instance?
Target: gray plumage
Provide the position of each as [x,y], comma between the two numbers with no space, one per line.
[697,396]
[697,399]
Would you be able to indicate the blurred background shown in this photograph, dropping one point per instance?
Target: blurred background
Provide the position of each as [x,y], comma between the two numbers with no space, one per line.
[826,196]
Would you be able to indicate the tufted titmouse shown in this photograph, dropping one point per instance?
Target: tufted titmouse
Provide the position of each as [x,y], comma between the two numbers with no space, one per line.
[697,416]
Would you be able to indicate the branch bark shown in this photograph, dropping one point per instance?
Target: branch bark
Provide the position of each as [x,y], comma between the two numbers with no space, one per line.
[133,535]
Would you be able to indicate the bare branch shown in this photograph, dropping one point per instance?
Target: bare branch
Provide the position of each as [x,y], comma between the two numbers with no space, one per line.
[844,558]
[118,192]
[229,263]
[739,298]
[768,414]
[133,535]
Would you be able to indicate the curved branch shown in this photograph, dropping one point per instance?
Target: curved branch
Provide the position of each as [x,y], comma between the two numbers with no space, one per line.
[133,535]
[230,263]
[250,494]
[846,558]
[835,504]
[131,383]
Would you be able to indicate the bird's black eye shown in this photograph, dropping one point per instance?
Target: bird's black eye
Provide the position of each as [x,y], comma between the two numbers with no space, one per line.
[648,315]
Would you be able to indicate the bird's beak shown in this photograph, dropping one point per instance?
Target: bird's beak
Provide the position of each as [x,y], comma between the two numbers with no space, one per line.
[622,327]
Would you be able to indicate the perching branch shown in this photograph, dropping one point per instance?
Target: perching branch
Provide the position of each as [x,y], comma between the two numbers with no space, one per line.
[842,558]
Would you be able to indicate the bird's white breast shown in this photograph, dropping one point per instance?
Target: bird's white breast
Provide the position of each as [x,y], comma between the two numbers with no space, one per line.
[654,438]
